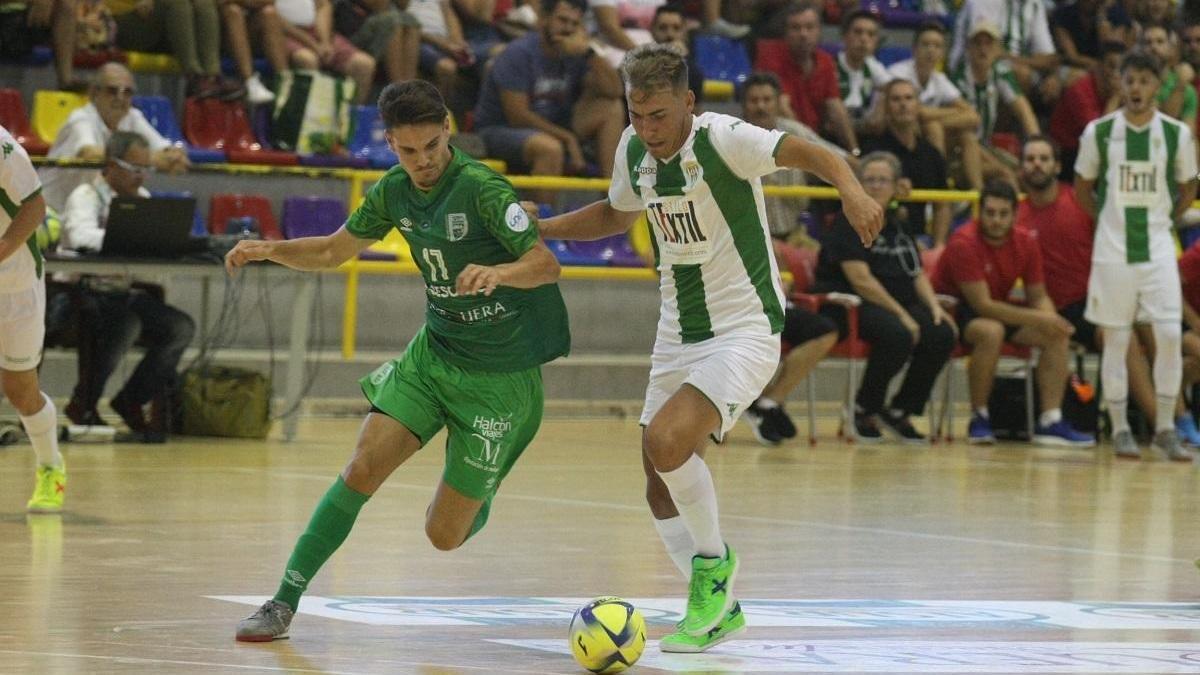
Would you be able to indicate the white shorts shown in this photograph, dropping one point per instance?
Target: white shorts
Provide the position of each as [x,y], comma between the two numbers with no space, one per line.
[22,328]
[1120,294]
[730,370]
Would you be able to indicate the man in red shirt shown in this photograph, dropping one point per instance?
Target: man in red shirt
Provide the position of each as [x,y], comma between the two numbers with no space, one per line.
[808,75]
[1189,277]
[1090,97]
[1065,233]
[981,265]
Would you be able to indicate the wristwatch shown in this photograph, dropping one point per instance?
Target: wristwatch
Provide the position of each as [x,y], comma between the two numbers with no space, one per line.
[857,152]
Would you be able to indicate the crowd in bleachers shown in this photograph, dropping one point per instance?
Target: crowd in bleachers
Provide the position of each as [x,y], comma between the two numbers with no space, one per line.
[937,93]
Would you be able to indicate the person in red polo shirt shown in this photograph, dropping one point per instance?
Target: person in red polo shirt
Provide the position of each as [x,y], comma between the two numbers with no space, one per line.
[1090,97]
[981,265]
[1189,278]
[1065,233]
[808,75]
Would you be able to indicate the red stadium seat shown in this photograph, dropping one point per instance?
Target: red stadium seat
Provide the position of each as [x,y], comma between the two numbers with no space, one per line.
[14,118]
[222,207]
[222,125]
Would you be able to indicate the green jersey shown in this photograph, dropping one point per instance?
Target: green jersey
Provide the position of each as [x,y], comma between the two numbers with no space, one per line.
[470,216]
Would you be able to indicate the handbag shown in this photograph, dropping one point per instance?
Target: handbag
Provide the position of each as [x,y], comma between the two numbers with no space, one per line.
[226,401]
[312,112]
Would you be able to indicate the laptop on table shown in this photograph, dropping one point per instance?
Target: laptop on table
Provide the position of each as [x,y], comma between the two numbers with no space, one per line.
[152,227]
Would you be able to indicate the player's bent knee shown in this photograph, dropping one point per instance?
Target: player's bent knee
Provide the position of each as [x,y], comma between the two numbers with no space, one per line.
[442,537]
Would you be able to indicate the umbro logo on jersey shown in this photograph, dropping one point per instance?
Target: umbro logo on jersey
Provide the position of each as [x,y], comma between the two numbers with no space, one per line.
[406,225]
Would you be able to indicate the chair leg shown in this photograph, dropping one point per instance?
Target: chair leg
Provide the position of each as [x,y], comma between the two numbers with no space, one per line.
[812,415]
[1029,412]
[848,403]
[948,404]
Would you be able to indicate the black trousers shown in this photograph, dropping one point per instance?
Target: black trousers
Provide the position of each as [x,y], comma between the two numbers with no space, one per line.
[891,348]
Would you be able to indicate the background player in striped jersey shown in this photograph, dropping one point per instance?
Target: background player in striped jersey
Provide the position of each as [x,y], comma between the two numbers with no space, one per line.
[1136,171]
[697,179]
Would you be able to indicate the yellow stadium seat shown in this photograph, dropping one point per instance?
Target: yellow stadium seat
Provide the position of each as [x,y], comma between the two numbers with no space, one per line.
[497,165]
[718,90]
[147,62]
[51,109]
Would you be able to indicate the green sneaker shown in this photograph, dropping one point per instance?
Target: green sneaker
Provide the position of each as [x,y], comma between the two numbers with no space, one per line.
[682,643]
[48,490]
[710,593]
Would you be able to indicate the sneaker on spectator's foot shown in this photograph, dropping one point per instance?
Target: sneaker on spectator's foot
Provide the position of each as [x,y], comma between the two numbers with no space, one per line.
[682,643]
[866,428]
[1125,445]
[979,430]
[1189,435]
[1167,443]
[257,92]
[79,414]
[270,622]
[231,90]
[1062,435]
[735,31]
[49,489]
[778,418]
[756,417]
[901,428]
[131,413]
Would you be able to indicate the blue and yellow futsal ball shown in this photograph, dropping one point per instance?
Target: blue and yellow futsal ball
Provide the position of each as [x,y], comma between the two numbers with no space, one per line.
[607,635]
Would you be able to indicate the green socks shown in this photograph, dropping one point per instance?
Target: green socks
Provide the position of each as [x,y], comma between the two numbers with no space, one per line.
[327,529]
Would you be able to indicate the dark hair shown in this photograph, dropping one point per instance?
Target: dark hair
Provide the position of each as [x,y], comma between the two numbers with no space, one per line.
[860,14]
[928,27]
[549,5]
[1112,47]
[1043,138]
[999,189]
[120,142]
[1140,60]
[799,8]
[411,102]
[668,8]
[757,79]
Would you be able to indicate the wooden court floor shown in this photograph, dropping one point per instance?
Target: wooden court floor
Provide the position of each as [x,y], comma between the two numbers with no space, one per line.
[855,559]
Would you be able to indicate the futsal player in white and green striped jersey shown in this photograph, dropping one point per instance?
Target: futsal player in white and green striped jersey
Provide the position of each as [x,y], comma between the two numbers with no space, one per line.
[1136,173]
[697,180]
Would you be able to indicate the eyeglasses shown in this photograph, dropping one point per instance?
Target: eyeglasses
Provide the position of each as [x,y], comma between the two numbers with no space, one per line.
[114,90]
[137,169]
[877,180]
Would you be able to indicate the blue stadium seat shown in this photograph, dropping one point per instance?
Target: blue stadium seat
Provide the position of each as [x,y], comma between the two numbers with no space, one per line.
[566,255]
[721,58]
[261,66]
[889,54]
[366,138]
[161,116]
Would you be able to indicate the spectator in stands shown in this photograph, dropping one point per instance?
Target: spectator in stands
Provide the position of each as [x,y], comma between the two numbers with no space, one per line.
[1189,46]
[1081,27]
[809,338]
[122,313]
[988,84]
[714,23]
[670,27]
[384,30]
[189,30]
[1176,96]
[87,130]
[26,23]
[445,56]
[1064,235]
[1026,40]
[609,30]
[312,44]
[923,165]
[238,16]
[1092,96]
[947,120]
[1189,276]
[1146,12]
[808,76]
[899,317]
[549,92]
[860,74]
[981,265]
[477,18]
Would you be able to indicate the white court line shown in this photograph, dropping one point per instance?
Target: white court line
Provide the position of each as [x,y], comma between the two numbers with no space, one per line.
[772,521]
[175,662]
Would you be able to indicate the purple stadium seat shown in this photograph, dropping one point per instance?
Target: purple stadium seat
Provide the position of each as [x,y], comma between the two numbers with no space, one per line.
[615,251]
[312,216]
[566,256]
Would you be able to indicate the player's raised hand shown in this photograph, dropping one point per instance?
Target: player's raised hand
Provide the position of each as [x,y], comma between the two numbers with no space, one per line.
[865,215]
[477,279]
[247,251]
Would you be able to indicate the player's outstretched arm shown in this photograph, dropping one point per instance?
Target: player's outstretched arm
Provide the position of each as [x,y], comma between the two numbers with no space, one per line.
[536,267]
[865,216]
[594,221]
[305,254]
[26,220]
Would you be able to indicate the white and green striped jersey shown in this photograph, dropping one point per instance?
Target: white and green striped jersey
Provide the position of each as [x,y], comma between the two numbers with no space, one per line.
[18,182]
[858,85]
[707,217]
[1137,171]
[1000,85]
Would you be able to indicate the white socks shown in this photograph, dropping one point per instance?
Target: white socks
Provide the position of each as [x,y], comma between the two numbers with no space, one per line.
[691,488]
[42,428]
[1115,376]
[1049,417]
[677,539]
[1168,372]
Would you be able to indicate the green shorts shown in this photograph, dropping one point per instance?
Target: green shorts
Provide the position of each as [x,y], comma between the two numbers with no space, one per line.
[491,416]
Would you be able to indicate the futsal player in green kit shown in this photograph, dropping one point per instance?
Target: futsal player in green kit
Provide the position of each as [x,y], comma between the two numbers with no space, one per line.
[494,315]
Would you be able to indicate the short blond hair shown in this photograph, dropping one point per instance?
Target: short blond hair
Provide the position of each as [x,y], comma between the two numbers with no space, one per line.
[651,68]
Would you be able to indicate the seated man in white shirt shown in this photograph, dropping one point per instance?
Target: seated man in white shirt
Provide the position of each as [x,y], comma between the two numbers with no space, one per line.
[87,129]
[123,313]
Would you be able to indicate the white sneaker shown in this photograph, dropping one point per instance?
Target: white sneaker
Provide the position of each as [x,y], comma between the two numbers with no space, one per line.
[257,92]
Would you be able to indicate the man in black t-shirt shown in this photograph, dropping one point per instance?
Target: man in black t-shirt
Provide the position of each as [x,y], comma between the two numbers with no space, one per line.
[922,163]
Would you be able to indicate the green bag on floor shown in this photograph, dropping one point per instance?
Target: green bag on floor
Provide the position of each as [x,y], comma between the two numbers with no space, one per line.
[226,401]
[312,112]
